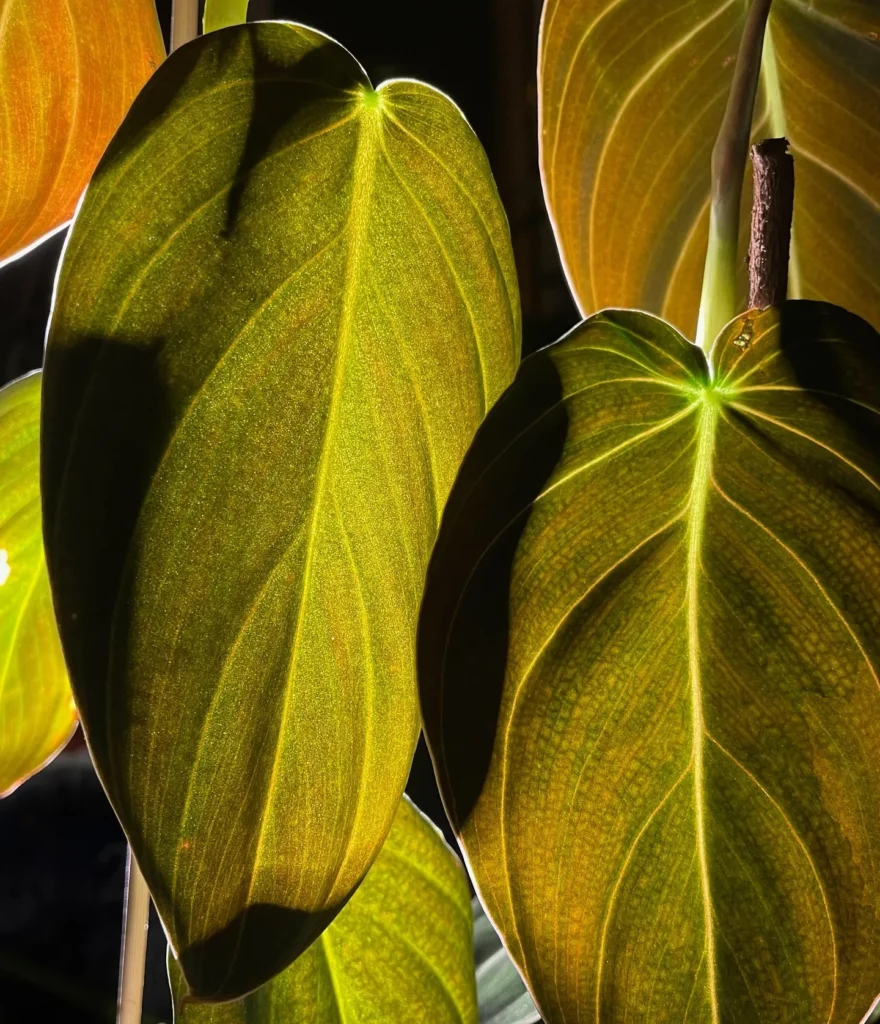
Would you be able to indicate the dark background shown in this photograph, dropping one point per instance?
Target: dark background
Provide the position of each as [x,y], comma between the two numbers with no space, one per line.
[62,854]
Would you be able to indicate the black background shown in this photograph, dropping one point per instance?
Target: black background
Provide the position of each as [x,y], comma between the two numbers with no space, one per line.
[62,854]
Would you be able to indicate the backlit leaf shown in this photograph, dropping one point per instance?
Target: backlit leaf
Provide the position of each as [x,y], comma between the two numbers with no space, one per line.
[663,584]
[402,949]
[285,305]
[223,13]
[36,706]
[69,70]
[632,96]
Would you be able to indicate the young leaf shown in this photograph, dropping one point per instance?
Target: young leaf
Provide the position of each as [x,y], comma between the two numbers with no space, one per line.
[285,305]
[649,651]
[502,996]
[402,950]
[37,714]
[223,13]
[69,70]
[631,99]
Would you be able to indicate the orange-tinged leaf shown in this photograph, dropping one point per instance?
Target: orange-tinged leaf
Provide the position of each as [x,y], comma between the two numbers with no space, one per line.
[69,70]
[632,93]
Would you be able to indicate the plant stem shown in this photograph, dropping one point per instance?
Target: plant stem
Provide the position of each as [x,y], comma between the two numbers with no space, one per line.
[184,22]
[718,301]
[133,957]
[772,207]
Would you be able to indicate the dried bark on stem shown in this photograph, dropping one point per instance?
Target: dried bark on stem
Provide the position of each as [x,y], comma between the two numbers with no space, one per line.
[773,172]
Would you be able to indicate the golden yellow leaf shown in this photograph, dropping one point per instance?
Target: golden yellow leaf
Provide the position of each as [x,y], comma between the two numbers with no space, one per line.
[631,98]
[69,70]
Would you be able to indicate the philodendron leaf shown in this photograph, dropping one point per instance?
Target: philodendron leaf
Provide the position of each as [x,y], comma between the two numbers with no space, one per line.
[69,70]
[631,97]
[501,993]
[649,650]
[37,714]
[223,13]
[402,949]
[285,305]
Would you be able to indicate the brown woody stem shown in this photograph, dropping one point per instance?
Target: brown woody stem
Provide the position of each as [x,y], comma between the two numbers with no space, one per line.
[773,170]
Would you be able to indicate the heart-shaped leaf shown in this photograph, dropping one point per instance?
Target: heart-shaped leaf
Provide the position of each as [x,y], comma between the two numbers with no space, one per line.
[69,70]
[649,651]
[37,714]
[402,949]
[285,305]
[501,993]
[631,97]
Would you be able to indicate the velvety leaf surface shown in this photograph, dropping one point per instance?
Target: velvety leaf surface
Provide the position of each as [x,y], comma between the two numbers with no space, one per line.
[501,993]
[663,585]
[69,70]
[632,95]
[37,714]
[402,949]
[285,305]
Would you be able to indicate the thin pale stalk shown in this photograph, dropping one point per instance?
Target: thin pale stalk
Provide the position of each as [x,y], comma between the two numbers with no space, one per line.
[184,22]
[718,303]
[133,957]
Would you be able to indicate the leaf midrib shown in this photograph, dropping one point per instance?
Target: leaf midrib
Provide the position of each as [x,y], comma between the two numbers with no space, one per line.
[363,178]
[696,518]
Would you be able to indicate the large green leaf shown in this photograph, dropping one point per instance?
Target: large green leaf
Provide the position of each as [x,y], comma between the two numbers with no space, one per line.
[37,714]
[402,949]
[649,651]
[285,305]
[632,95]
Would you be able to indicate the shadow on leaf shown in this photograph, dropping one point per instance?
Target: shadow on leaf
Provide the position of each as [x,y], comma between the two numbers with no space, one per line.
[465,618]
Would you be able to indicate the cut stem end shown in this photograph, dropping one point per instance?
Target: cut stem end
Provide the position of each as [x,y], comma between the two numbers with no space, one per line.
[772,208]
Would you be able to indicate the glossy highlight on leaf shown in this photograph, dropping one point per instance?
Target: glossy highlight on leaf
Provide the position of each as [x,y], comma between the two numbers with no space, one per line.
[631,99]
[664,584]
[285,305]
[69,70]
[402,949]
[37,715]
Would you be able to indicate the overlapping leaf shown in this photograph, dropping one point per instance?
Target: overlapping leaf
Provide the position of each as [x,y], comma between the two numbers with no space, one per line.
[285,305]
[402,949]
[501,993]
[632,96]
[69,70]
[663,585]
[223,13]
[37,714]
